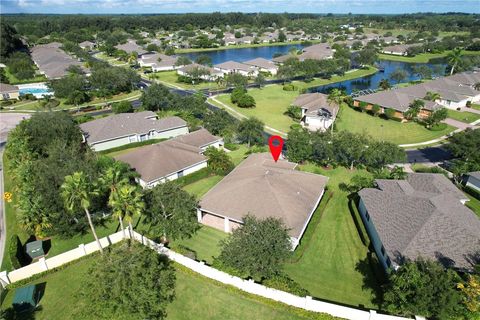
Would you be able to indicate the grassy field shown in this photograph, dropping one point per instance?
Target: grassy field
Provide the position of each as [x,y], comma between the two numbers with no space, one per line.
[476,106]
[14,80]
[334,266]
[272,103]
[171,77]
[422,57]
[463,116]
[199,188]
[473,204]
[347,76]
[388,130]
[195,295]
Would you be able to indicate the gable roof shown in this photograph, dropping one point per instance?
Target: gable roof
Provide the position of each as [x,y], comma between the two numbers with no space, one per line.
[423,216]
[313,102]
[199,138]
[265,188]
[52,60]
[190,67]
[165,61]
[159,160]
[125,124]
[7,88]
[261,63]
[131,46]
[234,65]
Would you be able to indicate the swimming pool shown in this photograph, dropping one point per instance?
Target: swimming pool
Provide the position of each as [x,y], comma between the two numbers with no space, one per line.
[39,90]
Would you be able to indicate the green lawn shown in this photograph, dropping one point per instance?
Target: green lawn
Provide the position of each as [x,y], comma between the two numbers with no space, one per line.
[476,106]
[14,80]
[199,188]
[473,204]
[196,297]
[388,130]
[463,116]
[422,57]
[272,103]
[334,265]
[347,76]
[172,78]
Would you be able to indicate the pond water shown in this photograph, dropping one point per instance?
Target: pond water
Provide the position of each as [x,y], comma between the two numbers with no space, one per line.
[243,54]
[350,86]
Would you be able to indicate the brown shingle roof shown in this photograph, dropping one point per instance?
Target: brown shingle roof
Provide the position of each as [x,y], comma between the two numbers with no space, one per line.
[423,216]
[261,63]
[265,188]
[7,88]
[313,102]
[199,138]
[125,124]
[159,160]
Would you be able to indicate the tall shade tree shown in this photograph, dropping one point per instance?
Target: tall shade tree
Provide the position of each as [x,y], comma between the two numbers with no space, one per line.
[258,248]
[384,84]
[171,211]
[126,203]
[250,131]
[77,192]
[335,98]
[432,96]
[454,58]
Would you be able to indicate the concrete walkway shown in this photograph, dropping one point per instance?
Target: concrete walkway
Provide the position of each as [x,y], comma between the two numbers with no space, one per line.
[238,115]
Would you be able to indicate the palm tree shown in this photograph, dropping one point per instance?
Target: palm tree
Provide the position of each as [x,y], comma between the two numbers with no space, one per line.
[335,97]
[126,203]
[384,84]
[112,178]
[432,96]
[132,58]
[77,191]
[454,58]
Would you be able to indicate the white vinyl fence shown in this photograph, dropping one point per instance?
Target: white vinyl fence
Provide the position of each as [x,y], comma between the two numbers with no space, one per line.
[307,303]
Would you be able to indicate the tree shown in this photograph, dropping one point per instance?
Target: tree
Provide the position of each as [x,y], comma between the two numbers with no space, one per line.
[432,96]
[106,81]
[367,56]
[464,147]
[281,36]
[423,71]
[246,101]
[237,93]
[398,75]
[218,161]
[183,61]
[423,288]
[78,191]
[171,211]
[389,113]
[436,116]
[384,84]
[414,108]
[299,147]
[156,97]
[294,112]
[376,109]
[236,80]
[471,293]
[129,279]
[260,80]
[454,58]
[258,248]
[132,58]
[219,122]
[122,107]
[204,59]
[250,131]
[359,182]
[126,203]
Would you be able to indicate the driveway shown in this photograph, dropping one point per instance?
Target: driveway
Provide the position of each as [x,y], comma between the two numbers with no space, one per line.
[428,155]
[8,121]
[458,124]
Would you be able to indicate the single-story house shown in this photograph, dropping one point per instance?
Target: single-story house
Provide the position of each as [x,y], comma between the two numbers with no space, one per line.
[124,128]
[264,188]
[8,91]
[319,51]
[237,67]
[317,112]
[399,49]
[171,159]
[158,62]
[86,45]
[52,61]
[421,216]
[131,46]
[263,65]
[473,180]
[211,73]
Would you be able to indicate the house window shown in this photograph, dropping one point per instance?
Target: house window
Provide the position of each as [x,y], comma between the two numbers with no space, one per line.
[382,250]
[367,216]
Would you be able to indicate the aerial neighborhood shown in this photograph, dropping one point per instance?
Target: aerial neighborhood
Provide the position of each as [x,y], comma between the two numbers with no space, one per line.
[231,165]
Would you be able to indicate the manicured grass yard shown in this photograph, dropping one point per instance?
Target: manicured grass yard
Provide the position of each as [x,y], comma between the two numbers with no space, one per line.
[196,297]
[172,78]
[388,130]
[473,204]
[422,57]
[463,116]
[476,106]
[200,187]
[272,103]
[334,265]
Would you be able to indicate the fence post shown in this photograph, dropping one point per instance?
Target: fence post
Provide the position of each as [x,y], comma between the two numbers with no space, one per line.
[43,263]
[82,249]
[4,279]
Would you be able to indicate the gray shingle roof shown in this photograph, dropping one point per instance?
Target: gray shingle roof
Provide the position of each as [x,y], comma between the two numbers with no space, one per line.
[7,88]
[234,65]
[199,138]
[162,159]
[125,124]
[261,63]
[314,102]
[265,188]
[53,61]
[475,174]
[131,46]
[423,216]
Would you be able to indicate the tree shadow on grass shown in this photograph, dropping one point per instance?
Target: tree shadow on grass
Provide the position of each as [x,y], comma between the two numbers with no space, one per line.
[373,277]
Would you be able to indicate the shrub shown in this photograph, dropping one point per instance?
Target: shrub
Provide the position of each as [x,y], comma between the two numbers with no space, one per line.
[390,113]
[469,104]
[15,251]
[294,112]
[194,177]
[438,127]
[231,146]
[289,87]
[246,101]
[375,109]
[425,169]
[218,161]
[131,145]
[122,107]
[6,103]
[284,283]
[84,118]
[296,126]
[237,93]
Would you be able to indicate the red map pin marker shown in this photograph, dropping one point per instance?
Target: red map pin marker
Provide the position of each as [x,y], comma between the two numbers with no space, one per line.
[276,145]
